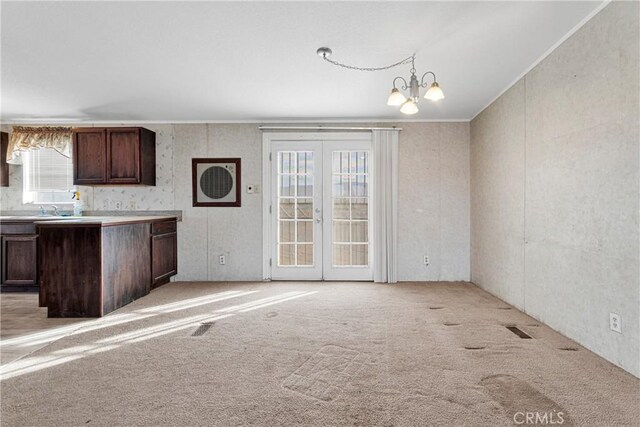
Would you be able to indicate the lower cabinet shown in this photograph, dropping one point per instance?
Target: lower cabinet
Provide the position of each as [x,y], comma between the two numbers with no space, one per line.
[19,262]
[164,252]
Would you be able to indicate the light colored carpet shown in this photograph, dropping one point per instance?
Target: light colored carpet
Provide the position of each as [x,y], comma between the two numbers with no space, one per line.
[314,354]
[20,316]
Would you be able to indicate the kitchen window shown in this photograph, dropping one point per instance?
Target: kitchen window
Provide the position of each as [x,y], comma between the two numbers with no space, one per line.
[47,177]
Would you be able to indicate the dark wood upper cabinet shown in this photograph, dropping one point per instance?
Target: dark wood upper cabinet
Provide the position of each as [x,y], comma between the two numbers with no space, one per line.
[114,156]
[4,167]
[123,156]
[89,156]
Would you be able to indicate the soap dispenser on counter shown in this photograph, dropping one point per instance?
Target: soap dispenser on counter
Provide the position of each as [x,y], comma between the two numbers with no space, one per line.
[77,204]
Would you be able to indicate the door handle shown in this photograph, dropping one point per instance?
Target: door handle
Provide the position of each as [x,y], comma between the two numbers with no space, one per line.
[318,220]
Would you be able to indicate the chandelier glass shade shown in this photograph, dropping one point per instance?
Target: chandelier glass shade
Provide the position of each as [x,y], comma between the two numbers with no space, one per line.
[408,104]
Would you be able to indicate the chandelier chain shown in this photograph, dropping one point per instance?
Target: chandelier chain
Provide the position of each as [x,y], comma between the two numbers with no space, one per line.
[407,60]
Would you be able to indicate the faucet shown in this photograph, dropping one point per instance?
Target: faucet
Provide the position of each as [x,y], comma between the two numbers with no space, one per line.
[43,211]
[55,210]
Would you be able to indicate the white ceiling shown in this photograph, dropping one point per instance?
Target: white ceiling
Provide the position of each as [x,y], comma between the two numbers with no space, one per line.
[241,61]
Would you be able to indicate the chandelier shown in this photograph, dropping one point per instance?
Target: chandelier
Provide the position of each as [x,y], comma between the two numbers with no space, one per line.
[408,105]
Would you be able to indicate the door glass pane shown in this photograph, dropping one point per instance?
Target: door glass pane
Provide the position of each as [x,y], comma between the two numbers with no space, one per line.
[286,254]
[287,185]
[340,185]
[341,208]
[286,208]
[295,208]
[305,255]
[305,209]
[305,162]
[286,162]
[305,186]
[360,231]
[360,255]
[359,186]
[287,231]
[360,208]
[359,160]
[350,208]
[305,231]
[341,162]
[341,255]
[341,233]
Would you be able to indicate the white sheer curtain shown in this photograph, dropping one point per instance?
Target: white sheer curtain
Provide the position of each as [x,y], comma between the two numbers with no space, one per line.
[385,210]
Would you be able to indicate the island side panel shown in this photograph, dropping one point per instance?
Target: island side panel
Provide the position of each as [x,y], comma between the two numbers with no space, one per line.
[71,270]
[126,264]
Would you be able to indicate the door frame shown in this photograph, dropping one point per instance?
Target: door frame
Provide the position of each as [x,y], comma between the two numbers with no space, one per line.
[267,139]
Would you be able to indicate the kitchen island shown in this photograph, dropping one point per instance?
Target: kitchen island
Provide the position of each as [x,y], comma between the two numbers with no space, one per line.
[90,266]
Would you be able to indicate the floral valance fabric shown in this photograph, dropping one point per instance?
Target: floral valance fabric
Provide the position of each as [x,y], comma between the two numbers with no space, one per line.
[25,138]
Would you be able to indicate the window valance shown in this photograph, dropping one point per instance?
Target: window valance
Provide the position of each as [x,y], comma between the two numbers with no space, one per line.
[25,138]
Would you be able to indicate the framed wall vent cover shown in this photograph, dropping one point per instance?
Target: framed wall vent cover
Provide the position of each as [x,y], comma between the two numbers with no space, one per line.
[216,182]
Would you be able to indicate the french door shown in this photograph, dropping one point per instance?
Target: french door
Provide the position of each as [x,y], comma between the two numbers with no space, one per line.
[320,210]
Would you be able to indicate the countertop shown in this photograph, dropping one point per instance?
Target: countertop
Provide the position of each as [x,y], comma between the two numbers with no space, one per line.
[29,218]
[32,215]
[103,221]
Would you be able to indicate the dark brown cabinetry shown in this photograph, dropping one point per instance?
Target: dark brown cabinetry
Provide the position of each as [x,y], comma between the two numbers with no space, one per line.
[164,252]
[18,256]
[114,156]
[89,268]
[20,261]
[89,156]
[4,167]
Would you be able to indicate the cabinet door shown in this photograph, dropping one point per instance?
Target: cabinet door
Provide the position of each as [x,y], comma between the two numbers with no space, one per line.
[20,260]
[4,167]
[123,156]
[164,259]
[89,156]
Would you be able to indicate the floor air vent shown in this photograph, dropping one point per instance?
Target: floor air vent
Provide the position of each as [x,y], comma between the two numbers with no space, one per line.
[202,329]
[519,332]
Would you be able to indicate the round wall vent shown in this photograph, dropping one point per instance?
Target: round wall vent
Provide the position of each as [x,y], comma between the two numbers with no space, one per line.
[216,182]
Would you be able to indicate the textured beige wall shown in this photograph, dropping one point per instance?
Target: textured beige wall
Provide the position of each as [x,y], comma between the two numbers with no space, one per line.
[207,233]
[433,204]
[555,188]
[497,197]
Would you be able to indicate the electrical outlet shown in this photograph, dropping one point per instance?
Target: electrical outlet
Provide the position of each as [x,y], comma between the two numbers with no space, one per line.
[426,260]
[223,260]
[118,205]
[615,323]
